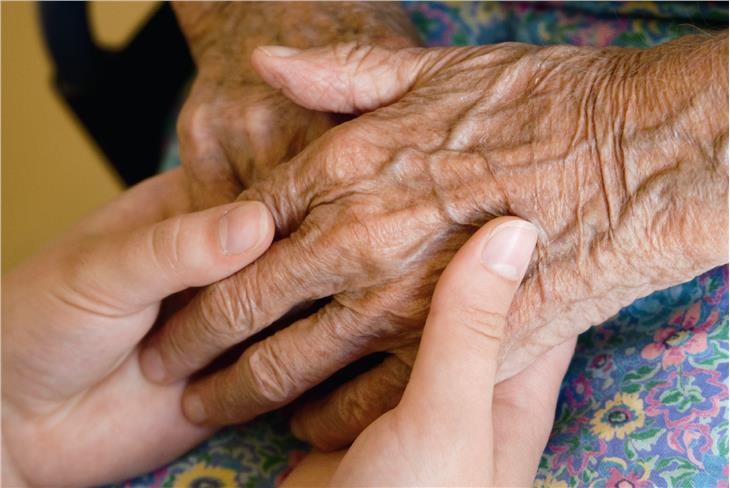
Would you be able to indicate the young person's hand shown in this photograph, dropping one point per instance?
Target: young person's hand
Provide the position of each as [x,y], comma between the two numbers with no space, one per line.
[453,426]
[77,410]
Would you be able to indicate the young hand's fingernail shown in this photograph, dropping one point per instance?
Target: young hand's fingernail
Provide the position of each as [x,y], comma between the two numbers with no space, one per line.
[152,365]
[280,51]
[509,249]
[193,408]
[242,227]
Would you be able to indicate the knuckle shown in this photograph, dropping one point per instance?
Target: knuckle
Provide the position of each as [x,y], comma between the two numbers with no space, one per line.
[173,352]
[487,324]
[355,410]
[278,192]
[166,246]
[348,329]
[345,140]
[221,311]
[186,122]
[271,381]
[196,132]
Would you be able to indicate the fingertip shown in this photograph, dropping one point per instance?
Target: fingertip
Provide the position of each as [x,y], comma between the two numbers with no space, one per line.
[497,254]
[266,63]
[246,230]
[150,362]
[193,408]
[508,248]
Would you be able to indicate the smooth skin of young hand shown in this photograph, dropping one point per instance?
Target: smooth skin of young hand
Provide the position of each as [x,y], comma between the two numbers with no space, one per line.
[453,426]
[77,410]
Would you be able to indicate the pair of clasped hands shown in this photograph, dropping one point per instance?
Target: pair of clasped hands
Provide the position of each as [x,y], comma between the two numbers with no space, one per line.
[78,409]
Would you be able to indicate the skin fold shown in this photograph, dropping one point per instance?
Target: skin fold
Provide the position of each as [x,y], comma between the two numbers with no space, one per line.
[234,128]
[618,156]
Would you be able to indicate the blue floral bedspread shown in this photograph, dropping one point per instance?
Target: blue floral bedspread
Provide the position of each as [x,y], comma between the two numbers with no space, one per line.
[645,401]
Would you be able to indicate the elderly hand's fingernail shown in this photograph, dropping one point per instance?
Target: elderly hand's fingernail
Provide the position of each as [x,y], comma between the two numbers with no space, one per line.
[242,228]
[280,51]
[152,366]
[193,408]
[509,248]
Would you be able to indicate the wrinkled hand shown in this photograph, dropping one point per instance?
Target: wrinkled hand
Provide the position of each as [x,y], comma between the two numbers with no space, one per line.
[234,128]
[581,142]
[453,426]
[77,410]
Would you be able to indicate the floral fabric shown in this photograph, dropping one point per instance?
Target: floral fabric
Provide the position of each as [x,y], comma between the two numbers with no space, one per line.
[645,401]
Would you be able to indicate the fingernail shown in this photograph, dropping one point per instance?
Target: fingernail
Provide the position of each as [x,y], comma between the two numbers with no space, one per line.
[193,408]
[152,365]
[280,51]
[509,248]
[241,228]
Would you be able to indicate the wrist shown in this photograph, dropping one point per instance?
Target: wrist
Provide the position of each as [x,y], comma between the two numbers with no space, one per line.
[666,122]
[681,86]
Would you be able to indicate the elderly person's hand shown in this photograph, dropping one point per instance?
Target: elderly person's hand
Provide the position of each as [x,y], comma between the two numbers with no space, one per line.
[618,156]
[234,128]
[77,410]
[453,427]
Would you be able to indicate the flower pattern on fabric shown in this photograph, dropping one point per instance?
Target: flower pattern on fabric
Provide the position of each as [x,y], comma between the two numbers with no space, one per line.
[645,400]
[203,476]
[619,417]
[681,338]
[648,422]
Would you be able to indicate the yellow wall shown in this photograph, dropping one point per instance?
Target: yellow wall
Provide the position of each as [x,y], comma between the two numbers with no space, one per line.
[51,173]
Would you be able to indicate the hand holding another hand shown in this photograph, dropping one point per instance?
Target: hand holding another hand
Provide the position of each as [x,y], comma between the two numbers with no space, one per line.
[454,426]
[581,142]
[77,410]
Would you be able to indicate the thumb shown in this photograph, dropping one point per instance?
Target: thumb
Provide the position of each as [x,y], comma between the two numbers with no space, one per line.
[129,271]
[343,78]
[457,359]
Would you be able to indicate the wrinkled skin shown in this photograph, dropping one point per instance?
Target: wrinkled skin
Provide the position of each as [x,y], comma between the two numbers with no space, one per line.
[619,156]
[234,128]
[500,432]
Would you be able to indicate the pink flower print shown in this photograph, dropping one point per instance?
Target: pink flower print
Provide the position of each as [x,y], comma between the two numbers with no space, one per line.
[602,362]
[621,479]
[681,338]
[579,393]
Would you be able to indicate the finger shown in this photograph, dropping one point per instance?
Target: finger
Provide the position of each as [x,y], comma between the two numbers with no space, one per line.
[275,371]
[234,309]
[129,271]
[148,202]
[524,411]
[335,420]
[344,78]
[465,326]
[457,360]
